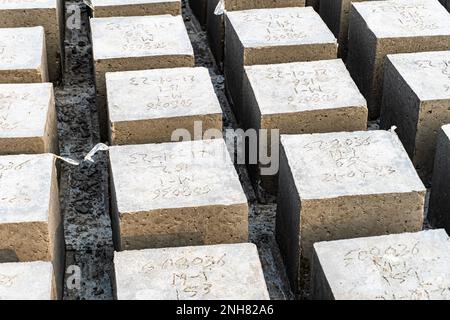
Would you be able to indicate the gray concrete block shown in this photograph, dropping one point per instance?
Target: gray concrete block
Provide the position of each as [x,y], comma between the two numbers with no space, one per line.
[23,57]
[27,281]
[379,28]
[408,266]
[416,99]
[148,106]
[176,194]
[269,36]
[124,8]
[439,207]
[27,119]
[33,13]
[343,185]
[219,272]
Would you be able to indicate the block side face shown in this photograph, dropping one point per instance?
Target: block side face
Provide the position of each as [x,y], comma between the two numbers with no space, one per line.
[410,266]
[280,27]
[303,86]
[405,18]
[223,272]
[330,165]
[121,37]
[320,288]
[26,281]
[237,5]
[23,199]
[183,174]
[135,8]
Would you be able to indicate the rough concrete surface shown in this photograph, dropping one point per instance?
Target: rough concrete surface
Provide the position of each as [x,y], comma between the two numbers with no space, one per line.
[122,8]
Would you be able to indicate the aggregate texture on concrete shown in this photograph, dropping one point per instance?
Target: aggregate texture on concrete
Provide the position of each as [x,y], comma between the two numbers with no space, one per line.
[122,8]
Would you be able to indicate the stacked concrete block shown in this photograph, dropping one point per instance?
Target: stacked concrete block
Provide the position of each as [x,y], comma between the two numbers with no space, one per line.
[343,185]
[23,57]
[176,194]
[124,8]
[409,266]
[416,99]
[148,106]
[30,221]
[27,119]
[27,281]
[268,36]
[379,28]
[335,13]
[439,207]
[199,8]
[137,43]
[46,13]
[218,272]
[301,97]
[215,18]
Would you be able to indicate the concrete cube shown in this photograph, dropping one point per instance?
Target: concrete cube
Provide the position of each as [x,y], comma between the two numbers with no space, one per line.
[147,106]
[215,22]
[378,28]
[268,36]
[416,99]
[124,8]
[335,13]
[46,13]
[176,194]
[343,185]
[137,43]
[408,266]
[199,8]
[218,272]
[439,207]
[301,97]
[23,57]
[30,221]
[27,281]
[27,119]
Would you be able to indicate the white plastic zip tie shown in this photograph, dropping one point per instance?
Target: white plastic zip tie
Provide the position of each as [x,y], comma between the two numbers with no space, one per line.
[392,129]
[87,157]
[220,9]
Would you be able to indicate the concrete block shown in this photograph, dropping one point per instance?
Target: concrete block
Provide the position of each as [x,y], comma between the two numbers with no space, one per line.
[176,194]
[218,272]
[23,57]
[27,281]
[27,119]
[30,221]
[147,106]
[215,23]
[269,36]
[379,28]
[137,43]
[127,8]
[335,13]
[199,8]
[343,185]
[408,266]
[33,13]
[416,99]
[439,207]
[301,97]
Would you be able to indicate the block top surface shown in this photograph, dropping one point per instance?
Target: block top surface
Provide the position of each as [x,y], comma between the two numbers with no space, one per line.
[446,129]
[231,271]
[122,37]
[27,4]
[280,27]
[160,93]
[303,86]
[427,73]
[21,48]
[108,3]
[26,183]
[26,280]
[330,165]
[405,266]
[174,175]
[24,109]
[405,18]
